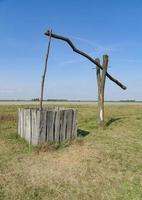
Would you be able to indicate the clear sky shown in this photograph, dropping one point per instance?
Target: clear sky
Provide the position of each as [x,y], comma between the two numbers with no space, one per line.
[96,26]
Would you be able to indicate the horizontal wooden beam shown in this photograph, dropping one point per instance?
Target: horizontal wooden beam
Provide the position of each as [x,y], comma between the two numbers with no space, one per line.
[48,33]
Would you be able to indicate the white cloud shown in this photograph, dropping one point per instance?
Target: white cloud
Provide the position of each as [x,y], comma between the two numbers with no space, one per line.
[73,61]
[7,91]
[131,60]
[98,47]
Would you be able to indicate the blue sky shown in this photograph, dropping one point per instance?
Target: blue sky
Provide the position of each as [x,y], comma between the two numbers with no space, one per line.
[95,26]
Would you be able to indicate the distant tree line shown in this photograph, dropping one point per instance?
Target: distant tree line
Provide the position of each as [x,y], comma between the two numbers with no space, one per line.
[37,99]
[129,100]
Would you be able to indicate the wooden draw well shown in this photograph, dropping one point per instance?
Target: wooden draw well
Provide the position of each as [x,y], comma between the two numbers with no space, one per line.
[54,125]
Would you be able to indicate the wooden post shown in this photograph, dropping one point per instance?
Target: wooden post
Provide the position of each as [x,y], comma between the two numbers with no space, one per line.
[99,86]
[44,73]
[101,77]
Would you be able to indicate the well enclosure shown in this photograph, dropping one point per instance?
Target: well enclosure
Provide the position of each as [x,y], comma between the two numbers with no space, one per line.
[53,125]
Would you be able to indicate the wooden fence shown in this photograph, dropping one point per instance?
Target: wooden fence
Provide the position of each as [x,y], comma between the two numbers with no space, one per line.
[54,125]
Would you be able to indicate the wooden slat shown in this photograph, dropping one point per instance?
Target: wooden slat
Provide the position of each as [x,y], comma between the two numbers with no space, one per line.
[35,134]
[63,125]
[24,124]
[42,126]
[31,126]
[69,123]
[57,126]
[50,125]
[74,124]
[28,125]
[19,122]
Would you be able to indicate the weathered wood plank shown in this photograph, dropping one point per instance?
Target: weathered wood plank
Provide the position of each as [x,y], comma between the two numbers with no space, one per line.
[19,121]
[74,124]
[50,125]
[24,124]
[42,126]
[35,133]
[69,123]
[28,125]
[57,126]
[62,125]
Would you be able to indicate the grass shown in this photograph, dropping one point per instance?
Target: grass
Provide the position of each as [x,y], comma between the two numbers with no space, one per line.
[98,165]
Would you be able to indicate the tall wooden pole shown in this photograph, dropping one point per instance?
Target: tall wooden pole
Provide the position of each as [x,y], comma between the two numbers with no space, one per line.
[101,77]
[99,87]
[45,69]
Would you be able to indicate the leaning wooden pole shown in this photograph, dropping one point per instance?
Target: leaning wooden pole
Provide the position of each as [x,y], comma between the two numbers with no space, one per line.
[101,77]
[45,69]
[69,42]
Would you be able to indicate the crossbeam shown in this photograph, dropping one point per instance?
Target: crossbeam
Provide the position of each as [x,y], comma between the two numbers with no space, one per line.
[48,33]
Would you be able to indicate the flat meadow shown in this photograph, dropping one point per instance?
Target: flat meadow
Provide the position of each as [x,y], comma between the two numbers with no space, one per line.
[100,164]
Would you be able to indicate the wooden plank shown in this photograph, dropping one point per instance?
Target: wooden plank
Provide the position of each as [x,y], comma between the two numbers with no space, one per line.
[42,126]
[69,123]
[50,125]
[28,125]
[24,124]
[57,126]
[31,126]
[63,125]
[38,123]
[74,124]
[35,133]
[19,121]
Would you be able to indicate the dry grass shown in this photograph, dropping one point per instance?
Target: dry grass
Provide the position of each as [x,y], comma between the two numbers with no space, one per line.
[103,165]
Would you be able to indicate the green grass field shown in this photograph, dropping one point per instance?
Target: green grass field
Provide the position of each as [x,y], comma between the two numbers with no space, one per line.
[102,165]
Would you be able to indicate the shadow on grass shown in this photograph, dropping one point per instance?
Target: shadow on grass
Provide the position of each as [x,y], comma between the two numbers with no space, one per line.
[112,120]
[82,133]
